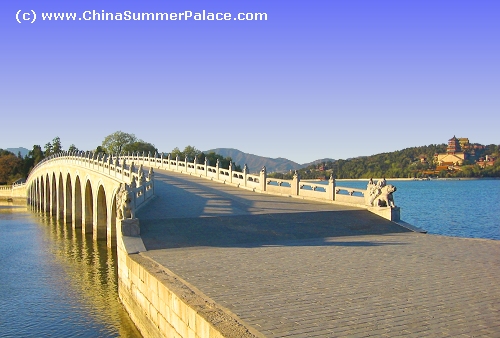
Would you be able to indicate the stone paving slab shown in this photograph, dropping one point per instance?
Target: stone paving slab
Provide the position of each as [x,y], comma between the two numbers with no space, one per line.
[318,270]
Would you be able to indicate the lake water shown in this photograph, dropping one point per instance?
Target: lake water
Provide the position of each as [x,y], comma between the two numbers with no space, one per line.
[463,208]
[56,282]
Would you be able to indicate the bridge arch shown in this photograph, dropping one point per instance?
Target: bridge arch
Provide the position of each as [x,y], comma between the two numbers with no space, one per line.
[46,206]
[68,203]
[112,218]
[101,214]
[88,210]
[60,197]
[78,210]
[42,195]
[53,195]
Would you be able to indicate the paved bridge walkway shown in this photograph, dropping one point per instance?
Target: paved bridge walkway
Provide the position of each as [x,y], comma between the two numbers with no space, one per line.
[291,268]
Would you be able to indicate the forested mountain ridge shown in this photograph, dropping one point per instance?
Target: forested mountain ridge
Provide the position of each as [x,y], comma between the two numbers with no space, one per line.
[255,163]
[406,163]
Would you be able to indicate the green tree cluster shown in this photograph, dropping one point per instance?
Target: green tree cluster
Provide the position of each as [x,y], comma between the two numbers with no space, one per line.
[120,142]
[10,167]
[191,152]
[53,148]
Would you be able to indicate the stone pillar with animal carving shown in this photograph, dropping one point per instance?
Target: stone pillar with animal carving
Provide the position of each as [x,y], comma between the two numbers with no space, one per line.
[127,224]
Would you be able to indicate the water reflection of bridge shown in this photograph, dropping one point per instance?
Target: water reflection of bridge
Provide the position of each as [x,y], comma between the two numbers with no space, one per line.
[89,271]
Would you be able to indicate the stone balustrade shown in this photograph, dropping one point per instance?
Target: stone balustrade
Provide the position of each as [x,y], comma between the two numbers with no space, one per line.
[296,187]
[261,183]
[17,190]
[123,167]
[119,168]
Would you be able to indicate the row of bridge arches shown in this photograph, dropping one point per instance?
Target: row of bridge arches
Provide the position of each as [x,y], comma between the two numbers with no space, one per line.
[75,198]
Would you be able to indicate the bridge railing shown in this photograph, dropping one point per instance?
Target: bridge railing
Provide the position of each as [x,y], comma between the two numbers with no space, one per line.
[295,187]
[119,168]
[123,167]
[17,189]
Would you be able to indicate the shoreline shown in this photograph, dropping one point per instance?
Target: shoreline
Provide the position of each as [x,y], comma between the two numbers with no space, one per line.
[409,179]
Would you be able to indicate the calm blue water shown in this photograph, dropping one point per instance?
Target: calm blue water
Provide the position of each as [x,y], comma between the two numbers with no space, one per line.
[463,208]
[55,282]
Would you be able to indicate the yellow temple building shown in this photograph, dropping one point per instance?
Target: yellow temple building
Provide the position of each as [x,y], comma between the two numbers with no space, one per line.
[454,152]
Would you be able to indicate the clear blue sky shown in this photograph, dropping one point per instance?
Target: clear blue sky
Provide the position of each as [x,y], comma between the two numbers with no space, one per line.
[318,79]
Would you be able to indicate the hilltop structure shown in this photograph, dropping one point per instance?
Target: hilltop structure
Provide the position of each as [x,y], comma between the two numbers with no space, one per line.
[458,151]
[454,154]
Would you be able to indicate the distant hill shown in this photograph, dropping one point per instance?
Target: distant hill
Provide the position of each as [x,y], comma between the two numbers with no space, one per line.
[255,162]
[405,163]
[323,160]
[23,151]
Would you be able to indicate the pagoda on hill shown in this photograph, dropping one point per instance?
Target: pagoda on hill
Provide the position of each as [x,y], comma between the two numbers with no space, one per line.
[454,154]
[453,146]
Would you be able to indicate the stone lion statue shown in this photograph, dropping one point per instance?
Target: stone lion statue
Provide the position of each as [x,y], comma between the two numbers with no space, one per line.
[385,198]
[124,207]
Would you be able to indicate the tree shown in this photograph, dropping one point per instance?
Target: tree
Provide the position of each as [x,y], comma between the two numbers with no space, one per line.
[176,153]
[72,148]
[443,173]
[56,145]
[140,147]
[48,149]
[212,158]
[190,152]
[10,167]
[114,143]
[36,153]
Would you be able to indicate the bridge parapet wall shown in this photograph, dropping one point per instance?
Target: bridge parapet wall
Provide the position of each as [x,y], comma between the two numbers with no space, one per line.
[17,191]
[296,187]
[112,167]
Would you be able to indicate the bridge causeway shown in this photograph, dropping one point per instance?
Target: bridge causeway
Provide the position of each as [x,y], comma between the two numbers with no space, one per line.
[292,268]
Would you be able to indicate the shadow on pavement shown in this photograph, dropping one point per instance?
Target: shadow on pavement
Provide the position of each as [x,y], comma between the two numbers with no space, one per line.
[265,229]
[193,212]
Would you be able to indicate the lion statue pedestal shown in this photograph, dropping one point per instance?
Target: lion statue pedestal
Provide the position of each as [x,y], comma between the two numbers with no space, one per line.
[130,227]
[392,214]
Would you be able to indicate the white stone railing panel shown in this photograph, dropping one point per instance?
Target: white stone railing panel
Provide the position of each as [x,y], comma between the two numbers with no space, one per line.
[279,186]
[295,187]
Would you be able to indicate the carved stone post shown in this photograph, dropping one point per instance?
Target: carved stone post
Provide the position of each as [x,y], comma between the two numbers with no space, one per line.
[131,170]
[263,178]
[331,188]
[230,171]
[168,160]
[295,183]
[176,162]
[245,171]
[115,164]
[206,167]
[195,163]
[217,170]
[185,163]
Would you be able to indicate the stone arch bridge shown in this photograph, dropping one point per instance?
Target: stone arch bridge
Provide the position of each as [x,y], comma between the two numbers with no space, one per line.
[84,189]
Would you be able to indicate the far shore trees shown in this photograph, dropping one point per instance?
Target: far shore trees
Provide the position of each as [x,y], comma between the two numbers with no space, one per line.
[191,152]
